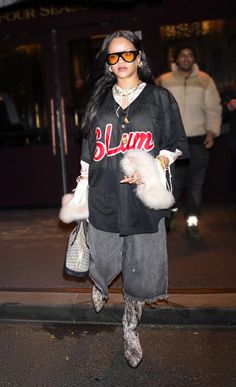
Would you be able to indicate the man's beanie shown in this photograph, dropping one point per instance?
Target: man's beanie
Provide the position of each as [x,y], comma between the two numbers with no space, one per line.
[183,46]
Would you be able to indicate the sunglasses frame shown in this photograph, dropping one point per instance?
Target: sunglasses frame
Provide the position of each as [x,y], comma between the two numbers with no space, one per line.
[135,52]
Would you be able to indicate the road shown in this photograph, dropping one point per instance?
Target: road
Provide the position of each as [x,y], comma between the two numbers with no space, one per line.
[62,355]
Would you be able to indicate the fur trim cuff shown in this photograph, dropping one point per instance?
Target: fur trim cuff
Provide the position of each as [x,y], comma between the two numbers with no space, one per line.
[75,206]
[152,192]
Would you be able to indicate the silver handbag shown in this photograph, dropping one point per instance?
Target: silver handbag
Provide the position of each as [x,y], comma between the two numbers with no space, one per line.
[77,252]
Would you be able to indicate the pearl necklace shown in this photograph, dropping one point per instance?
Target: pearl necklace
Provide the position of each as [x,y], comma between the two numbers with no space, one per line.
[125,92]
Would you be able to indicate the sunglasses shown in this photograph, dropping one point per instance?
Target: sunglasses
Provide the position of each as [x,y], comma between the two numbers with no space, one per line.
[127,56]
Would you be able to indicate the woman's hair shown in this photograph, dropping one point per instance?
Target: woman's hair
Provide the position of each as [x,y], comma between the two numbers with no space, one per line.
[101,79]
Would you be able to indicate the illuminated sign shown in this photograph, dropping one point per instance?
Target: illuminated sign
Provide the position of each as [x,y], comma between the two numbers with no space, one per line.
[31,13]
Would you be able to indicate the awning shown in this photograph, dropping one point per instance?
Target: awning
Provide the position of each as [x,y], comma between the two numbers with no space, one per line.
[8,3]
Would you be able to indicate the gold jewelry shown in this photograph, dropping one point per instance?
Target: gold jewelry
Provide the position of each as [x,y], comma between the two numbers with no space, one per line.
[126,119]
[161,161]
[122,98]
[124,139]
[125,92]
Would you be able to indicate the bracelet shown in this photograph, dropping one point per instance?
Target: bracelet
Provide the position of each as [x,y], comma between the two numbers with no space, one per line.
[161,161]
[80,177]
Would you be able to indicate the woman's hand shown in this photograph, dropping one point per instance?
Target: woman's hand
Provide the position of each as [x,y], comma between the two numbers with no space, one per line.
[134,179]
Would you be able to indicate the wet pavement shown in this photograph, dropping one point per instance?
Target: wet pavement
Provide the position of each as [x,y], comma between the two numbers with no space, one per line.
[92,355]
[33,245]
[33,287]
[188,341]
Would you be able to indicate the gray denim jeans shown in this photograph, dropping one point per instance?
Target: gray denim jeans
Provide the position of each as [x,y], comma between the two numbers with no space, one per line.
[141,258]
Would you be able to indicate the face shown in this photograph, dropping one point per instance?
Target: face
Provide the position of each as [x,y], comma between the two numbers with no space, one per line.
[185,59]
[123,69]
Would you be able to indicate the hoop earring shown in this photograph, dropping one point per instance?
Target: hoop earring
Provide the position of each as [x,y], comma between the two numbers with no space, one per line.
[110,69]
[140,64]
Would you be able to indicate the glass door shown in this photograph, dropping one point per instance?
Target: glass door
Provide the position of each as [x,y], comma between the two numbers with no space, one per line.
[29,164]
[23,110]
[81,54]
[75,56]
[43,94]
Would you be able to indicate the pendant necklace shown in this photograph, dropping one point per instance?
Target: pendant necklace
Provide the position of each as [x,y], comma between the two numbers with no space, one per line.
[126,119]
[125,101]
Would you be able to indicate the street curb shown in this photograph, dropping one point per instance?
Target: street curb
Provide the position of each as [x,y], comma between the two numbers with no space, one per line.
[85,314]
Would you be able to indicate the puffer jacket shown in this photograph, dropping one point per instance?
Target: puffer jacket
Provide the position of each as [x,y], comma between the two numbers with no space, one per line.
[198,99]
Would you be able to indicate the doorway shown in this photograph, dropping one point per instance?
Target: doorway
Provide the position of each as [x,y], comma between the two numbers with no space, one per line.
[42,99]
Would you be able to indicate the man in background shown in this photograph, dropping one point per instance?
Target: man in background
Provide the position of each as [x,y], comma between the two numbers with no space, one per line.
[200,108]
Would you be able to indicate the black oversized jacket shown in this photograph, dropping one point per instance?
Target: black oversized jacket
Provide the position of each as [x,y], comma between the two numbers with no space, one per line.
[154,124]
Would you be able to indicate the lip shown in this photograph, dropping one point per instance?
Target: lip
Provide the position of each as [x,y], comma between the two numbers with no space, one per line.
[122,68]
[186,64]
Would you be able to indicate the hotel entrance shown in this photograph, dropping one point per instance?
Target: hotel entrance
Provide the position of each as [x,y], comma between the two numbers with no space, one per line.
[42,98]
[45,54]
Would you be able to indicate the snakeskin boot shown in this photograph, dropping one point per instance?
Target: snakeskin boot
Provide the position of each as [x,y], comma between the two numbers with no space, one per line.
[131,319]
[98,300]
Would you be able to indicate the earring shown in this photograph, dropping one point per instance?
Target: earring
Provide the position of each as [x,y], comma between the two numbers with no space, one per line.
[110,69]
[140,64]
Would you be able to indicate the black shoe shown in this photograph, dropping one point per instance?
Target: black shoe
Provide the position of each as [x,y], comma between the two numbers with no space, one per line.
[193,232]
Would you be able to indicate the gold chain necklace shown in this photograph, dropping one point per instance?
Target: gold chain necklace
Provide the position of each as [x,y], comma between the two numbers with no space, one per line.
[126,119]
[125,93]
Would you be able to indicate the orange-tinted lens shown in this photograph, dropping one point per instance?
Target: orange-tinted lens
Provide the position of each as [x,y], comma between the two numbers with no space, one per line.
[112,59]
[128,56]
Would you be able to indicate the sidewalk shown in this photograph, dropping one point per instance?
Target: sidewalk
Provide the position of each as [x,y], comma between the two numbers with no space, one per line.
[32,286]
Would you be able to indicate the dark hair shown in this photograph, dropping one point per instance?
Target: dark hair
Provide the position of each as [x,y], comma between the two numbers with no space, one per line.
[183,46]
[101,80]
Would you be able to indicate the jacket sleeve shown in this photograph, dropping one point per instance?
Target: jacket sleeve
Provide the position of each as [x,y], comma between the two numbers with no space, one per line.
[174,134]
[213,108]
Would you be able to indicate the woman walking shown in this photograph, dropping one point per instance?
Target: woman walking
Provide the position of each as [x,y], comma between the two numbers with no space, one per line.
[131,129]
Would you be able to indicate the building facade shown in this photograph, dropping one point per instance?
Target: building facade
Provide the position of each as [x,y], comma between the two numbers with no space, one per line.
[45,54]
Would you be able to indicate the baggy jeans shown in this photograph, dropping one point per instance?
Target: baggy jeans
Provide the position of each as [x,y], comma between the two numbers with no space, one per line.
[141,258]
